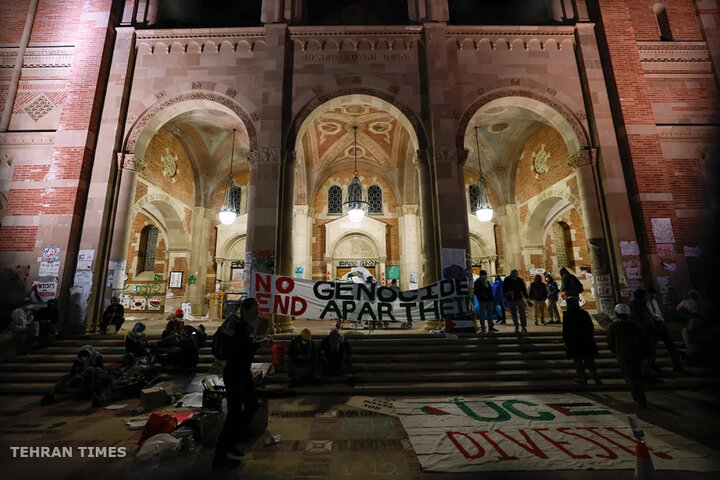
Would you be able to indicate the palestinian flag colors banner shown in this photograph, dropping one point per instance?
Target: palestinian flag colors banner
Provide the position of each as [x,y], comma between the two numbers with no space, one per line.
[537,432]
[276,294]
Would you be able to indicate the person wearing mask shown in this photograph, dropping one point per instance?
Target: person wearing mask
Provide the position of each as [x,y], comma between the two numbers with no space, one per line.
[499,299]
[578,334]
[302,358]
[570,285]
[114,315]
[484,296]
[553,296]
[136,343]
[661,329]
[630,343]
[236,343]
[335,354]
[516,296]
[174,325]
[538,295]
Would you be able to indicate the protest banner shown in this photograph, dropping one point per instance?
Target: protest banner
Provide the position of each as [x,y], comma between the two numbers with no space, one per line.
[359,301]
[538,433]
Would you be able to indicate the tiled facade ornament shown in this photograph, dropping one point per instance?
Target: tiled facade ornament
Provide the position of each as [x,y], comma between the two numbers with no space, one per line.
[127,161]
[263,155]
[582,157]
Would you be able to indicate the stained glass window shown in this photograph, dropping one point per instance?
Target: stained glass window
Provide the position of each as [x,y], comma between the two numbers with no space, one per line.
[151,240]
[474,197]
[236,199]
[334,200]
[375,199]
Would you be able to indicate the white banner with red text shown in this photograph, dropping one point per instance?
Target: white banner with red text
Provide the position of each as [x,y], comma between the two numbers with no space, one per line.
[537,432]
[359,301]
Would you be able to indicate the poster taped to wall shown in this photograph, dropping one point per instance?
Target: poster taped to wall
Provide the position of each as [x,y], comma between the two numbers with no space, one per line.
[662,230]
[49,269]
[359,301]
[51,254]
[665,250]
[41,292]
[629,249]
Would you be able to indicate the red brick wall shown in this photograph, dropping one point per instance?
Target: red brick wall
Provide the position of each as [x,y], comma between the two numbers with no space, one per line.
[139,222]
[14,15]
[680,14]
[183,188]
[528,182]
[17,239]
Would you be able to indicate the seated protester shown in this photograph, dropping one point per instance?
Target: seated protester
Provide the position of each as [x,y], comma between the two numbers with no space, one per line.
[302,358]
[186,354]
[136,343]
[87,377]
[174,325]
[20,319]
[114,314]
[691,307]
[335,354]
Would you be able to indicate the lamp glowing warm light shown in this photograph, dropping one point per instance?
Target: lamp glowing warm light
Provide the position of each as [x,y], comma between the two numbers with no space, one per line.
[227,217]
[484,214]
[227,213]
[356,215]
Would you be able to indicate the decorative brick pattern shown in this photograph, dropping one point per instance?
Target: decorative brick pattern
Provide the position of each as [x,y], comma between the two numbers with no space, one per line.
[39,107]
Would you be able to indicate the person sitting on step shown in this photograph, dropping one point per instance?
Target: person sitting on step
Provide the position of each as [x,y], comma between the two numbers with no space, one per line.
[302,358]
[335,355]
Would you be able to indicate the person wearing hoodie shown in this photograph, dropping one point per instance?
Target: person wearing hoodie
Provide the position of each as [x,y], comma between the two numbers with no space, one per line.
[631,345]
[499,299]
[516,295]
[236,343]
[570,284]
[538,295]
[87,377]
[578,335]
[484,295]
[136,343]
[553,296]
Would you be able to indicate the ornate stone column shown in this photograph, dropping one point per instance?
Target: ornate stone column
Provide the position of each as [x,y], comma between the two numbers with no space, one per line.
[381,271]
[330,274]
[129,167]
[583,162]
[302,240]
[410,261]
[198,261]
[431,260]
[508,217]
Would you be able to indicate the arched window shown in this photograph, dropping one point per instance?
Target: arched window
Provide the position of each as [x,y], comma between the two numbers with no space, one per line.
[375,199]
[334,200]
[474,194]
[562,238]
[662,22]
[147,250]
[236,199]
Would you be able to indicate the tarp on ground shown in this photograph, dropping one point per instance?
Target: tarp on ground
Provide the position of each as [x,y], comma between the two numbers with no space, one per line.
[537,432]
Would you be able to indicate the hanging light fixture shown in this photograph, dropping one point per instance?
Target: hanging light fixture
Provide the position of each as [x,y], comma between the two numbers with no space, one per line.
[484,211]
[356,206]
[227,211]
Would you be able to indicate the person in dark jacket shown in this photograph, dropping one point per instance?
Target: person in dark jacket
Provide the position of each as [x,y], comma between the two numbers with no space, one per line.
[538,295]
[482,289]
[302,358]
[553,296]
[335,354]
[630,344]
[516,295]
[499,299]
[239,344]
[47,317]
[578,329]
[136,343]
[570,284]
[174,325]
[640,315]
[87,377]
[114,314]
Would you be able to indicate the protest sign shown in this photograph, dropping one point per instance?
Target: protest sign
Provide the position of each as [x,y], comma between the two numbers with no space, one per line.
[538,433]
[359,301]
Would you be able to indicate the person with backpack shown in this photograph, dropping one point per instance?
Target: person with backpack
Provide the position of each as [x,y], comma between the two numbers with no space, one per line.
[553,296]
[570,285]
[482,290]
[235,343]
[578,335]
[516,295]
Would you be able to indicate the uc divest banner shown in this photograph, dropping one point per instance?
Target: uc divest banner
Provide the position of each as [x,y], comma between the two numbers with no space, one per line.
[537,432]
[359,301]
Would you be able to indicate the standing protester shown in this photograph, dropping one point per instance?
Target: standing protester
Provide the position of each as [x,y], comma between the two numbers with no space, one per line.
[114,315]
[578,334]
[538,295]
[484,295]
[235,342]
[553,296]
[662,330]
[516,296]
[630,344]
[47,317]
[394,284]
[499,299]
[570,284]
[640,315]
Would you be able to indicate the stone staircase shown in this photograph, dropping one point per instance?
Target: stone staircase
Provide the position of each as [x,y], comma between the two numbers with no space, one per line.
[397,364]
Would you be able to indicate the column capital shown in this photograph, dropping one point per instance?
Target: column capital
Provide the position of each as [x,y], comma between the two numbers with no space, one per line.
[263,155]
[328,259]
[128,161]
[583,157]
[302,210]
[409,209]
[451,154]
[383,259]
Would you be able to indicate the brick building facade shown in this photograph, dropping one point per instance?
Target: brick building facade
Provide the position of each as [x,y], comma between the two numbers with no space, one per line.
[592,122]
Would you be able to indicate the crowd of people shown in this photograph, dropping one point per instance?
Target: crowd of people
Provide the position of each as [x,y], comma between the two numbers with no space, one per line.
[493,299]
